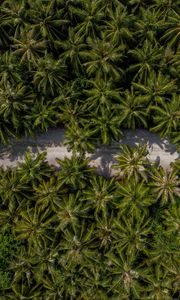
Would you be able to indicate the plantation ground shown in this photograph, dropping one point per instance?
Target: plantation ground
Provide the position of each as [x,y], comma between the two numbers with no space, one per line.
[160,150]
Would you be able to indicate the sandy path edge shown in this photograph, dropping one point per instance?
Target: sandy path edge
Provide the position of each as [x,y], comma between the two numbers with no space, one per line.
[103,158]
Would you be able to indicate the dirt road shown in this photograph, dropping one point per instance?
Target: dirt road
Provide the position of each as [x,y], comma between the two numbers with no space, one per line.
[52,142]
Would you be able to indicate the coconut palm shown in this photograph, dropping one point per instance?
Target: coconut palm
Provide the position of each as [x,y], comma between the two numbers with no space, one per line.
[132,110]
[133,234]
[103,58]
[132,161]
[42,116]
[75,171]
[133,198]
[72,50]
[68,210]
[165,185]
[14,101]
[28,48]
[12,190]
[167,117]
[101,95]
[9,69]
[172,220]
[14,17]
[90,17]
[125,275]
[35,226]
[146,59]
[118,26]
[171,35]
[157,88]
[79,139]
[50,75]
[99,194]
[148,24]
[47,20]
[34,169]
[106,126]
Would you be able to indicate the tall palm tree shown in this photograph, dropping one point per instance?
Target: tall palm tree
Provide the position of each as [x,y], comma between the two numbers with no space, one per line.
[133,234]
[49,75]
[126,276]
[101,95]
[171,35]
[165,185]
[132,161]
[35,227]
[9,69]
[72,50]
[107,126]
[146,58]
[133,198]
[34,169]
[90,16]
[103,58]
[132,110]
[68,210]
[75,171]
[29,48]
[167,117]
[14,101]
[99,194]
[79,139]
[118,26]
[42,115]
[157,88]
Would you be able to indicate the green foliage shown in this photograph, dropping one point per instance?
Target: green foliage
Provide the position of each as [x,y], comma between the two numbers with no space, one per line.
[77,235]
[109,62]
[95,68]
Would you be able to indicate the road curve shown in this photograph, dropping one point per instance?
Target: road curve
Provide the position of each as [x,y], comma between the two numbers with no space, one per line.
[52,142]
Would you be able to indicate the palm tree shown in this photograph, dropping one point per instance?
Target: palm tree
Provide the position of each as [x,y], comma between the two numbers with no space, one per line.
[147,24]
[172,221]
[14,18]
[171,35]
[132,110]
[90,16]
[159,285]
[47,20]
[126,276]
[117,27]
[34,169]
[133,198]
[157,88]
[35,226]
[146,58]
[76,247]
[106,126]
[49,75]
[165,185]
[103,58]
[79,139]
[14,101]
[69,210]
[9,69]
[101,95]
[167,117]
[72,50]
[12,189]
[42,115]
[132,161]
[75,171]
[28,48]
[99,194]
[133,234]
